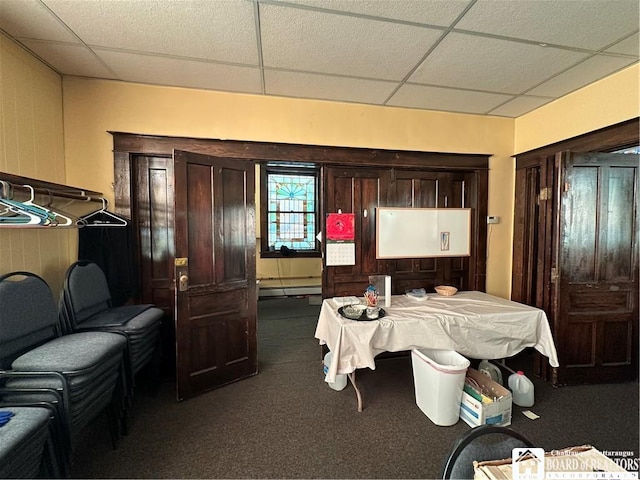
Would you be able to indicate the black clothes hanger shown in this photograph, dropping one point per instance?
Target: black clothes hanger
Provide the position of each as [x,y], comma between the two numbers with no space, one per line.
[104,218]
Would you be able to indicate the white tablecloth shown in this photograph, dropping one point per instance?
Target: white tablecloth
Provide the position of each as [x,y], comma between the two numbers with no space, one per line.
[474,324]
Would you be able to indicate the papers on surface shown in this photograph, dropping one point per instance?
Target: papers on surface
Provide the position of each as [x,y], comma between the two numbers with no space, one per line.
[530,415]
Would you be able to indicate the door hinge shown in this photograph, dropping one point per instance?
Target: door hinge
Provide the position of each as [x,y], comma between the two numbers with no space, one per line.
[545,193]
[567,186]
[554,275]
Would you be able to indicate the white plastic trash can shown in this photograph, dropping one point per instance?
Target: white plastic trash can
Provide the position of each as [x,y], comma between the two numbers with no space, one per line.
[438,377]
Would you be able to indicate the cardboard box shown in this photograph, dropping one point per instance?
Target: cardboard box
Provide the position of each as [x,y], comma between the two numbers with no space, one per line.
[475,412]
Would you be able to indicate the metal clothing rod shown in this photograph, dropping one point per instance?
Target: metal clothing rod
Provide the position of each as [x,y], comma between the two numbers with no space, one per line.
[42,187]
[53,193]
[80,197]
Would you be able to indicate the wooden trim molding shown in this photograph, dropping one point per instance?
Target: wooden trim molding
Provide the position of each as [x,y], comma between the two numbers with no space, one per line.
[265,152]
[607,139]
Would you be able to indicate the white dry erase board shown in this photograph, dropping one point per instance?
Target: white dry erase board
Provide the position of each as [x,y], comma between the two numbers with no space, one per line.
[423,232]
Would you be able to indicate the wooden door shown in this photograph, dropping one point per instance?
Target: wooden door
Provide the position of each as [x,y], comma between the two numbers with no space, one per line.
[215,271]
[596,268]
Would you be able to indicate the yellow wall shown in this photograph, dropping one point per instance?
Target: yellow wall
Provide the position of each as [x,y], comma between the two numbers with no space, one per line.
[93,107]
[31,145]
[609,101]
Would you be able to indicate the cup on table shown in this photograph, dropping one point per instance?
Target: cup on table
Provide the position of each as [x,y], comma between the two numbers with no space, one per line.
[373,312]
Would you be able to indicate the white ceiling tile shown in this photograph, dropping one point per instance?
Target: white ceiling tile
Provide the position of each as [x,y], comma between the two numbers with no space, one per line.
[221,30]
[481,63]
[344,50]
[435,98]
[30,19]
[326,43]
[430,12]
[629,46]
[595,68]
[306,85]
[176,72]
[519,106]
[70,59]
[591,24]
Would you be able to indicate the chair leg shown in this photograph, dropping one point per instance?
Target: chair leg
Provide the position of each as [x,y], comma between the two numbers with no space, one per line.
[120,404]
[155,367]
[52,463]
[114,425]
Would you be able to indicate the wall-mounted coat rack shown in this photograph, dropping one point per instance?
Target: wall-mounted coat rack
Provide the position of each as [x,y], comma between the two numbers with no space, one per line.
[27,202]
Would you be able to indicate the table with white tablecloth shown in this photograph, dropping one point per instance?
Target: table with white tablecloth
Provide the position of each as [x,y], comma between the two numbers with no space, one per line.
[474,324]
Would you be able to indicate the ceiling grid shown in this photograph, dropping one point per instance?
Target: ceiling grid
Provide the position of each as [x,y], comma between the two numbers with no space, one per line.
[488,57]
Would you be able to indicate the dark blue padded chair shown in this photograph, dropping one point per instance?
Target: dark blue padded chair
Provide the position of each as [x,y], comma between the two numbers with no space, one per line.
[86,305]
[83,373]
[28,437]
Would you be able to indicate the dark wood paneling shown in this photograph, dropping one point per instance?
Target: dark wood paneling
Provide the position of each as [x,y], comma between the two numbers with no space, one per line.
[618,241]
[200,223]
[152,212]
[234,226]
[355,189]
[617,349]
[580,352]
[584,301]
[321,155]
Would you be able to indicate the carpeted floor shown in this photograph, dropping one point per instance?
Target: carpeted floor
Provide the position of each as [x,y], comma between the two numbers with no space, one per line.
[286,422]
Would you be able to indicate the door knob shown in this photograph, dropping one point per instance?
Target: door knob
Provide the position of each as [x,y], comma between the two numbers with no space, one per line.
[183,282]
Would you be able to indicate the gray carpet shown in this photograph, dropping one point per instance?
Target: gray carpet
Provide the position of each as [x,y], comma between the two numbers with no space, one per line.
[286,422]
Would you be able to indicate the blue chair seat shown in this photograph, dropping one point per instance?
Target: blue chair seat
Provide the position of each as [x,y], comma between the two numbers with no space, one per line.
[71,353]
[25,443]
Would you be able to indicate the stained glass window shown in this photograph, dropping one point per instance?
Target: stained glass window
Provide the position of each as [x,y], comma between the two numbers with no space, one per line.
[291,209]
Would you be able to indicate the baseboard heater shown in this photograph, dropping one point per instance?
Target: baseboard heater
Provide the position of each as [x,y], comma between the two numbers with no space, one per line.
[288,291]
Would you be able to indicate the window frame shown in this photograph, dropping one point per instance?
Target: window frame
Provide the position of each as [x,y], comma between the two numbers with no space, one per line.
[287,169]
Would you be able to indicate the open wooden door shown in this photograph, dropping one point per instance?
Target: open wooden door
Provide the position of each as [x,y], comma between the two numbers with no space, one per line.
[595,275]
[215,268]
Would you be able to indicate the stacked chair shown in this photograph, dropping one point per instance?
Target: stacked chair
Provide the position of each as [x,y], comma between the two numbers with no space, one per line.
[85,305]
[80,375]
[29,442]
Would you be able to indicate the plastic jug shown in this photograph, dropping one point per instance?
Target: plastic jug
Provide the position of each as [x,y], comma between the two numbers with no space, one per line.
[521,389]
[341,379]
[491,371]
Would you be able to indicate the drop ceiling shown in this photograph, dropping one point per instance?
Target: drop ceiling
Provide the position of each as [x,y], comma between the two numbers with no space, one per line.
[488,57]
